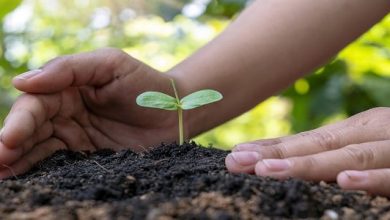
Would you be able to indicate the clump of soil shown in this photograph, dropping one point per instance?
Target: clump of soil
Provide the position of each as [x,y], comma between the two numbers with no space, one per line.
[171,182]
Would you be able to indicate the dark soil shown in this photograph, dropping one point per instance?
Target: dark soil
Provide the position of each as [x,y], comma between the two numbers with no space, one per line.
[171,182]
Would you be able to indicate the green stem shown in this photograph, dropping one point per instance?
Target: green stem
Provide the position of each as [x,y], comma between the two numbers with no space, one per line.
[180,113]
[181,130]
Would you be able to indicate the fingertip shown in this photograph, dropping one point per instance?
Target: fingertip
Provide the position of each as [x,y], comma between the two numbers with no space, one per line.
[234,167]
[20,125]
[3,137]
[353,179]
[245,158]
[1,134]
[2,131]
[230,163]
[23,163]
[52,78]
[7,155]
[260,169]
[343,180]
[28,75]
[22,81]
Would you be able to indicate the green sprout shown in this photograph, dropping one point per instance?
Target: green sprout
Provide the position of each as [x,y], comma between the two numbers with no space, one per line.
[161,100]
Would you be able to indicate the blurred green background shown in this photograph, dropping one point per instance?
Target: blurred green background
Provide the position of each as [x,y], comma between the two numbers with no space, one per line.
[162,33]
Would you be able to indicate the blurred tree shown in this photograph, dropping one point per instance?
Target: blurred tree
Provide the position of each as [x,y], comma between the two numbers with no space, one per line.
[225,8]
[5,65]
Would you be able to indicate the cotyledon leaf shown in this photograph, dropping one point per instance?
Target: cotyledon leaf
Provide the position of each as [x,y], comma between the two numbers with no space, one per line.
[200,98]
[157,100]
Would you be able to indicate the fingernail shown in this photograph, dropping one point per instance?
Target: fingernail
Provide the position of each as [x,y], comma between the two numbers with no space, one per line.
[275,165]
[356,176]
[246,158]
[29,74]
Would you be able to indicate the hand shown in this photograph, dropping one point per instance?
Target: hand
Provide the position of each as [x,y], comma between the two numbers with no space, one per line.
[83,102]
[355,152]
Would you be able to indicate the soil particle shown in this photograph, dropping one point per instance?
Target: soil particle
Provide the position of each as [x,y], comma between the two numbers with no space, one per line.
[171,182]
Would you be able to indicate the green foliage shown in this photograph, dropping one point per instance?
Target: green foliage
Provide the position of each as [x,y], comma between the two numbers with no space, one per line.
[6,66]
[355,81]
[200,98]
[157,100]
[225,8]
[160,100]
[323,98]
[377,89]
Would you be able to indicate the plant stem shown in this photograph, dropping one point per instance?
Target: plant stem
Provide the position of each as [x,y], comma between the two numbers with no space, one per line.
[179,113]
[181,130]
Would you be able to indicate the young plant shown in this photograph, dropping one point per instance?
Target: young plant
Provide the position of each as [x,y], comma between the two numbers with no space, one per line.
[161,100]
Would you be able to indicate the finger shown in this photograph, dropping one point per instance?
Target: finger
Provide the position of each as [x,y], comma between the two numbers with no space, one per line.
[374,181]
[354,130]
[242,162]
[253,145]
[95,68]
[27,115]
[9,156]
[38,153]
[326,165]
[245,156]
[305,143]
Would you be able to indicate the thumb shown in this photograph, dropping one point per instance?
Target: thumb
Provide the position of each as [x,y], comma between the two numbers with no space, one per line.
[95,68]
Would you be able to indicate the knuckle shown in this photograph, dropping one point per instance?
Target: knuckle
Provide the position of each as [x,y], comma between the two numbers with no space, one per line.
[35,106]
[324,139]
[33,117]
[113,55]
[115,58]
[362,157]
[267,142]
[382,177]
[280,151]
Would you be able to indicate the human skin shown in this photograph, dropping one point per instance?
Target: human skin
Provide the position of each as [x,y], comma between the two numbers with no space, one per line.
[87,101]
[83,102]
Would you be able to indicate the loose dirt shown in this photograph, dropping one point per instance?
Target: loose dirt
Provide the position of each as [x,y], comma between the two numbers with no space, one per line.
[171,182]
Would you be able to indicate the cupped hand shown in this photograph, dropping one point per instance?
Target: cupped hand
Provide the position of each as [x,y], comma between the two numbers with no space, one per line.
[354,152]
[83,102]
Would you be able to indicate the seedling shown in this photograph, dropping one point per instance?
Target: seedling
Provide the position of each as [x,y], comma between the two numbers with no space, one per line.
[161,100]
